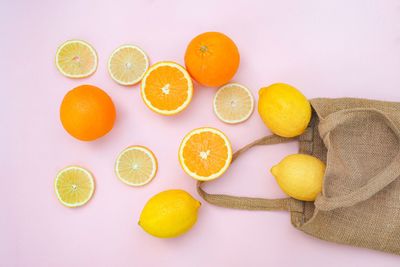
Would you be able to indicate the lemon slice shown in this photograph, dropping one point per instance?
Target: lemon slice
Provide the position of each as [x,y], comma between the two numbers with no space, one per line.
[136,166]
[233,103]
[128,64]
[76,59]
[74,186]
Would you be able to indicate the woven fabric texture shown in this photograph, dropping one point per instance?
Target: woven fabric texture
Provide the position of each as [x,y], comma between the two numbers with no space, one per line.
[359,140]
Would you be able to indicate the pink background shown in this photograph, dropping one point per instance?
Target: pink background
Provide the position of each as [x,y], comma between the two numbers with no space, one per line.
[325,48]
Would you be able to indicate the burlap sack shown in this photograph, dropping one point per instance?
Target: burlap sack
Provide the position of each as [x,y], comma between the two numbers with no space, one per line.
[360,203]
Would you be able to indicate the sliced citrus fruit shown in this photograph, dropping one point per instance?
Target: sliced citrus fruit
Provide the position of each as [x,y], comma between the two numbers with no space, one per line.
[205,154]
[136,166]
[76,59]
[74,186]
[167,88]
[233,103]
[128,64]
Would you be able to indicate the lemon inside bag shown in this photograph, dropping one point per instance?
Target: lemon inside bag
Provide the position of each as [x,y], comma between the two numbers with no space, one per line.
[300,176]
[74,186]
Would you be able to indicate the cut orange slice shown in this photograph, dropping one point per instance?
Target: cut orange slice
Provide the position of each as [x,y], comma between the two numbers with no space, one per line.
[233,103]
[167,88]
[128,64]
[76,59]
[205,154]
[74,186]
[136,166]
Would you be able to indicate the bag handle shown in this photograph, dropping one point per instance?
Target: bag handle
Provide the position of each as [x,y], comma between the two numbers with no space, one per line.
[376,183]
[248,203]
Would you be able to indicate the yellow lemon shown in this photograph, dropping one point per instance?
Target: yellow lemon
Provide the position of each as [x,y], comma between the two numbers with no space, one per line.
[284,109]
[300,176]
[169,214]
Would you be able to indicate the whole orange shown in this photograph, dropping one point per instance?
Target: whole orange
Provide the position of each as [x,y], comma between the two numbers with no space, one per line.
[87,112]
[212,59]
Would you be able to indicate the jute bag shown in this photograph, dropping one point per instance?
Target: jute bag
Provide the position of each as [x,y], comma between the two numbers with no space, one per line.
[360,202]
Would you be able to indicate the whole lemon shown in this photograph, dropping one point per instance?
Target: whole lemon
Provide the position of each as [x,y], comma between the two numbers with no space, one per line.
[284,109]
[300,176]
[169,214]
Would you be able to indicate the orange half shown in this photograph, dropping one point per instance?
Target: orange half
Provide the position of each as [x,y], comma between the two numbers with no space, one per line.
[205,154]
[167,88]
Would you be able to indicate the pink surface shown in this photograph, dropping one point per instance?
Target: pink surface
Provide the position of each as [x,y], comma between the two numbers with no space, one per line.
[325,48]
